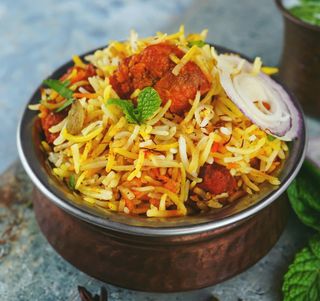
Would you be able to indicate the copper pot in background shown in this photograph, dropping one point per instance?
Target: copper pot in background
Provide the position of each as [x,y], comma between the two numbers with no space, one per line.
[300,62]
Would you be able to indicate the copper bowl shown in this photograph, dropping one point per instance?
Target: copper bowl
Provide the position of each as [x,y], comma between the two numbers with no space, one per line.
[153,254]
[300,62]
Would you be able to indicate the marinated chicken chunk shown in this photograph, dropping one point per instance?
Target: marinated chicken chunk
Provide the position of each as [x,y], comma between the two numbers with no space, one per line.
[153,67]
[50,120]
[217,179]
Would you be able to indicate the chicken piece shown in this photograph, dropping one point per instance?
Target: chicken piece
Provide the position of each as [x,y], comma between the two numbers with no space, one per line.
[217,179]
[50,120]
[144,69]
[183,87]
[121,81]
[153,68]
[156,59]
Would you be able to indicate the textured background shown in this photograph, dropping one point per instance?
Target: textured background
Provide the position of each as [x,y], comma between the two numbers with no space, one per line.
[36,37]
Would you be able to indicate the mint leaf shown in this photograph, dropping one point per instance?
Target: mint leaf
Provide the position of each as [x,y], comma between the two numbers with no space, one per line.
[127,108]
[67,103]
[270,137]
[59,87]
[302,281]
[307,11]
[304,195]
[72,182]
[198,43]
[148,102]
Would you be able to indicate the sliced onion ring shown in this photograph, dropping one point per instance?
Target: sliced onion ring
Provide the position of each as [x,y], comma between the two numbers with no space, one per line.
[251,92]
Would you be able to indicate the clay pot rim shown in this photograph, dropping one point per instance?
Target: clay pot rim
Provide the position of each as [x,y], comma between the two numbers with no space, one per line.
[36,172]
[295,19]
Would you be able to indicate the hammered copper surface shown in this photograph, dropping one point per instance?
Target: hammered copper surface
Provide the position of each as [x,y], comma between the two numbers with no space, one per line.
[162,264]
[300,62]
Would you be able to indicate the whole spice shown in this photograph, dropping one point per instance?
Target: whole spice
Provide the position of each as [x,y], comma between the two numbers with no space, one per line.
[85,295]
[75,118]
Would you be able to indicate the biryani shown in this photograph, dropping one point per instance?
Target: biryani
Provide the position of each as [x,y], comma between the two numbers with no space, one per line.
[164,126]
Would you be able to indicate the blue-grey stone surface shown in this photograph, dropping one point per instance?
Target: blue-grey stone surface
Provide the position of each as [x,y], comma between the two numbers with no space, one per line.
[36,37]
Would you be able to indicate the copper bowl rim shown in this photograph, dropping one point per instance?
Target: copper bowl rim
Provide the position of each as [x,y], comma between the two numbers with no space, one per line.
[295,19]
[32,166]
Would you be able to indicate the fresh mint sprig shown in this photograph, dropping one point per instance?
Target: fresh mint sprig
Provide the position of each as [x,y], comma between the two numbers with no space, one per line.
[127,107]
[270,137]
[62,89]
[304,195]
[59,87]
[148,103]
[67,103]
[72,182]
[302,280]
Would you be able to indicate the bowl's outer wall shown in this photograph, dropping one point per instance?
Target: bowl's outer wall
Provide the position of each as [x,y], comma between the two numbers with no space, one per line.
[300,62]
[162,264]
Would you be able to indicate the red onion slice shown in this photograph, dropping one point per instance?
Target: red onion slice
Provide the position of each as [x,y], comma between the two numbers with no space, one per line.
[253,92]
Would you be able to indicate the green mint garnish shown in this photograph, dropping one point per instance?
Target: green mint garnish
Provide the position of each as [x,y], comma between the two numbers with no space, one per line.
[302,281]
[72,182]
[198,43]
[127,108]
[148,100]
[304,195]
[59,87]
[62,89]
[66,104]
[270,137]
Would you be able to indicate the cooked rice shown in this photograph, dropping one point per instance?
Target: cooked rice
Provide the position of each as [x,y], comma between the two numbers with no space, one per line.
[113,161]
